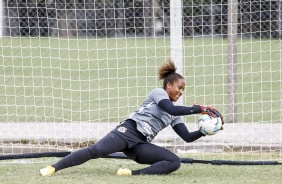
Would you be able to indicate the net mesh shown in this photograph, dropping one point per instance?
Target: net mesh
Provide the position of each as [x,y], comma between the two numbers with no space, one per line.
[71,71]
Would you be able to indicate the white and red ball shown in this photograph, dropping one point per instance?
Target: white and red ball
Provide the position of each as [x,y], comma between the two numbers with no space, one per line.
[209,125]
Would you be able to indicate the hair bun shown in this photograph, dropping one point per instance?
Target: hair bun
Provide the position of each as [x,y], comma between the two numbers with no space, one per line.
[167,69]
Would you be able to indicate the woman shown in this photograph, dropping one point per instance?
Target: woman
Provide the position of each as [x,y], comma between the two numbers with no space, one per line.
[134,134]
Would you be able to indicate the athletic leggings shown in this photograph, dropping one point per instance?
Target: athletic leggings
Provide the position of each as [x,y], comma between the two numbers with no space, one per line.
[161,160]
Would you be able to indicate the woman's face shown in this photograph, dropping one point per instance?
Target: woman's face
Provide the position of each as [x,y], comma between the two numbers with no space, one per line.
[175,90]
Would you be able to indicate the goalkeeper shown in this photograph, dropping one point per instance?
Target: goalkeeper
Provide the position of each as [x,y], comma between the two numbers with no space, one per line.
[133,136]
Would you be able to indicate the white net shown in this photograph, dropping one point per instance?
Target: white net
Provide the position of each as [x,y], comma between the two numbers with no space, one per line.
[70,72]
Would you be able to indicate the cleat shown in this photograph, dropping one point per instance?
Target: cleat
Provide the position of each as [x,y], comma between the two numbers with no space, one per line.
[47,171]
[123,172]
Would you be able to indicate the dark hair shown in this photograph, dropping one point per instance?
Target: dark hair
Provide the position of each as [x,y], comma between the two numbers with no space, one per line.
[167,72]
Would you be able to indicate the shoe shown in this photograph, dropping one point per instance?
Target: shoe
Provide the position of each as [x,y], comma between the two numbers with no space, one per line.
[123,172]
[47,171]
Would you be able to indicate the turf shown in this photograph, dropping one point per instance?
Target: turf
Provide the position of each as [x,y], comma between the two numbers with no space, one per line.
[102,171]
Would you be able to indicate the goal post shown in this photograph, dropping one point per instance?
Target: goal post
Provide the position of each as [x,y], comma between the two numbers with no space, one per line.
[1,18]
[232,60]
[176,37]
[71,71]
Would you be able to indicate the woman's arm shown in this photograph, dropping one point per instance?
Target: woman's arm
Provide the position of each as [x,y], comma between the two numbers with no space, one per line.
[187,136]
[174,110]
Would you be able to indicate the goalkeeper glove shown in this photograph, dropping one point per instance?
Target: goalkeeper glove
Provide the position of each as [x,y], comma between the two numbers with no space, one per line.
[208,110]
[219,115]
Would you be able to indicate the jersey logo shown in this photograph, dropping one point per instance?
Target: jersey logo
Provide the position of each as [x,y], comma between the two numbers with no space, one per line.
[122,129]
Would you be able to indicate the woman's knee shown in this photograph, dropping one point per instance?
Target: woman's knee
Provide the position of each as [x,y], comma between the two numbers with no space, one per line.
[175,164]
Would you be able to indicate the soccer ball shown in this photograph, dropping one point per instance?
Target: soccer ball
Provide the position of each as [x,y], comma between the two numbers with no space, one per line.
[209,125]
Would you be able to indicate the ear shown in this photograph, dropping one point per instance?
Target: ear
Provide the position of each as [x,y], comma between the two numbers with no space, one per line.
[168,85]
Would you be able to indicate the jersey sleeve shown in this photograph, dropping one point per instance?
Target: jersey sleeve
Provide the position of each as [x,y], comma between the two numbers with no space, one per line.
[177,120]
[158,94]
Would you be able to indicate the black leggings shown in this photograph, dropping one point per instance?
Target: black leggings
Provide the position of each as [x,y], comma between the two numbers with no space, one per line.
[161,160]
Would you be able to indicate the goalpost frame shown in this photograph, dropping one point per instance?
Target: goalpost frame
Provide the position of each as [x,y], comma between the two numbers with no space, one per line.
[232,59]
[119,155]
[1,17]
[176,37]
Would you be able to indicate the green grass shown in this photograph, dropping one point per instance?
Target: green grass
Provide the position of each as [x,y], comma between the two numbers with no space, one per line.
[102,172]
[103,80]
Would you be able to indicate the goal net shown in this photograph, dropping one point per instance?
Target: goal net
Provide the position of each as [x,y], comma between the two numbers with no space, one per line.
[71,71]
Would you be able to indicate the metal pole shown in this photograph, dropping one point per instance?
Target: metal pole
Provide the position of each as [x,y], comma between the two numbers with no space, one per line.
[232,60]
[176,36]
[1,17]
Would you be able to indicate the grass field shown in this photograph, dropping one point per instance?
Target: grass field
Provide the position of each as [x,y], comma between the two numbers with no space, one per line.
[102,171]
[103,80]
